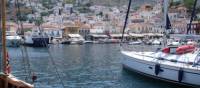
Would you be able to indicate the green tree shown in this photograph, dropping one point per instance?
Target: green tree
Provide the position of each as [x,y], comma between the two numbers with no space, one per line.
[69,1]
[189,4]
[44,13]
[39,21]
[175,2]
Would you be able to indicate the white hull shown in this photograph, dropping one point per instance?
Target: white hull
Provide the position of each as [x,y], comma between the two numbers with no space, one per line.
[13,41]
[28,40]
[135,43]
[147,66]
[156,42]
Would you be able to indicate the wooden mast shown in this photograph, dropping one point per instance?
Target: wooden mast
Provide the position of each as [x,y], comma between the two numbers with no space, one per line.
[4,35]
[8,80]
[4,52]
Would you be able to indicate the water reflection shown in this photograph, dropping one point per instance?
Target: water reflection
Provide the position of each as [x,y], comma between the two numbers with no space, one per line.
[82,66]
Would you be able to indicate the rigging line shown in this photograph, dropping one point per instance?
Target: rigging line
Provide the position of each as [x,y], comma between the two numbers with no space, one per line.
[23,60]
[56,69]
[23,49]
[192,17]
[125,23]
[50,55]
[27,61]
[19,17]
[52,60]
[23,57]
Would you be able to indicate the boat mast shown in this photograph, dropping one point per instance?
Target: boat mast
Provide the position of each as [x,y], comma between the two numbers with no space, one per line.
[4,54]
[0,39]
[166,4]
[126,20]
[192,17]
[3,6]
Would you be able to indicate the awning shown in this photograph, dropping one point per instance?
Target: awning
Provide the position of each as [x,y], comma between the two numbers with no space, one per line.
[99,35]
[74,35]
[119,35]
[136,35]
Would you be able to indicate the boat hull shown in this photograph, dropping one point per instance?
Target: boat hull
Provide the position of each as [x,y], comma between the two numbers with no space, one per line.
[166,73]
[37,42]
[13,43]
[65,42]
[40,42]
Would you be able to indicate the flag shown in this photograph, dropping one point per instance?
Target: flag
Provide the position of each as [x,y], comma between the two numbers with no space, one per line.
[8,67]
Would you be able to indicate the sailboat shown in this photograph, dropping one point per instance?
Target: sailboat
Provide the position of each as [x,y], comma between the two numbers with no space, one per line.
[177,64]
[7,80]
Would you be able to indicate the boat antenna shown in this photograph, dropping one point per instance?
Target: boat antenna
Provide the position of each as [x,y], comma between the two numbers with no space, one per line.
[125,23]
[192,17]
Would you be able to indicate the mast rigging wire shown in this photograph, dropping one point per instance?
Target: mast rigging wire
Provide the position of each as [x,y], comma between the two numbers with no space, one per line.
[192,17]
[26,61]
[125,23]
[49,52]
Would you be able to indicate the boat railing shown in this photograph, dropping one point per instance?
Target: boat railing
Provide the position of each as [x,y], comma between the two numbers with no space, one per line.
[197,59]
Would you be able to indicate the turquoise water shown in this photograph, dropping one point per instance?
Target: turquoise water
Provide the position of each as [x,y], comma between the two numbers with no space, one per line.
[81,66]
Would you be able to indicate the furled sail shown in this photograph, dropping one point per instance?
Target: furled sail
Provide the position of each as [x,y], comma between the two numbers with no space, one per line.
[168,23]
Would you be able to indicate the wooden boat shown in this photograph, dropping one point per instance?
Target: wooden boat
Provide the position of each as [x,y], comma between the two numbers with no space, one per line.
[7,80]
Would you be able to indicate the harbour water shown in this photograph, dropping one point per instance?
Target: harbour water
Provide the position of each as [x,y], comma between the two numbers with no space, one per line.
[81,66]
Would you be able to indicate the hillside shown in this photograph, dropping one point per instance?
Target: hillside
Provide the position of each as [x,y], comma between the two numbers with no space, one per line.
[120,2]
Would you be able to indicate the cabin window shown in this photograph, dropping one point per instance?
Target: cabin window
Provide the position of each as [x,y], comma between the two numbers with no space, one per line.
[173,50]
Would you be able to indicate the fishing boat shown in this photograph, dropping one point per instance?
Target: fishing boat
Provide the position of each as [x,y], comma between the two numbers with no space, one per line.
[177,64]
[7,80]
[36,38]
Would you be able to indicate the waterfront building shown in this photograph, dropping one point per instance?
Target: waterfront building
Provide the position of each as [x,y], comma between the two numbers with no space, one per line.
[85,30]
[195,27]
[52,30]
[97,37]
[179,26]
[70,29]
[180,10]
[98,28]
[140,28]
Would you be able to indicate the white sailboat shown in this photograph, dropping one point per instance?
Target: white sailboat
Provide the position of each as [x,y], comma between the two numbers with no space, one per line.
[177,64]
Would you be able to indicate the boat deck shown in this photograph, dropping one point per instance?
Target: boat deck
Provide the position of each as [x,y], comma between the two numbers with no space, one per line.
[180,61]
[13,82]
